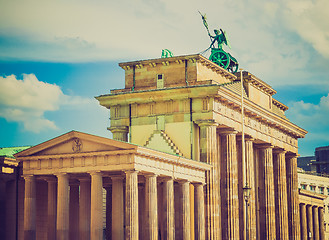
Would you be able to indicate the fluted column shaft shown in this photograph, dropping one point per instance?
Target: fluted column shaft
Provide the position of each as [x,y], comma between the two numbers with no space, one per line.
[269,202]
[316,223]
[52,208]
[208,154]
[199,212]
[84,209]
[117,208]
[303,222]
[168,209]
[30,208]
[250,168]
[108,212]
[151,204]
[230,201]
[293,197]
[185,185]
[321,223]
[96,206]
[63,222]
[281,195]
[310,232]
[131,205]
[74,212]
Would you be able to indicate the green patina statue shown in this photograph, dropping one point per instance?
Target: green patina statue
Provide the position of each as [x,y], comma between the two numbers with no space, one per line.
[218,55]
[166,53]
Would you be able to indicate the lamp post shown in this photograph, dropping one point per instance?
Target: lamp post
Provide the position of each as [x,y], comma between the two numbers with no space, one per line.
[246,196]
[246,188]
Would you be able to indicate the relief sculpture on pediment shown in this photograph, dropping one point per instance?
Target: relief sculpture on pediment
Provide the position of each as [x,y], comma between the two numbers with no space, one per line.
[76,145]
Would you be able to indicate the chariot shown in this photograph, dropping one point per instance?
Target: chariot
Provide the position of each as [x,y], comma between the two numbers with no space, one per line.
[224,59]
[218,55]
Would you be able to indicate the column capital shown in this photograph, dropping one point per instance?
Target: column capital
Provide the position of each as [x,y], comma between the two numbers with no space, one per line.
[246,138]
[115,129]
[166,178]
[279,150]
[95,173]
[291,155]
[182,181]
[227,131]
[149,174]
[131,171]
[206,122]
[117,177]
[198,184]
[84,179]
[265,146]
[61,174]
[28,177]
[50,179]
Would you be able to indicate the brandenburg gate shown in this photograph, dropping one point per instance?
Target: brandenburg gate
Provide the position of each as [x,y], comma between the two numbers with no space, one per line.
[174,169]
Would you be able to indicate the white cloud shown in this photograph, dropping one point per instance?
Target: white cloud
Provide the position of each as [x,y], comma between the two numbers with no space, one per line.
[310,19]
[25,101]
[312,117]
[271,39]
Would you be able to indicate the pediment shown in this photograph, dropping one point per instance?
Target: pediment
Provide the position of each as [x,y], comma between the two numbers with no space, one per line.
[75,142]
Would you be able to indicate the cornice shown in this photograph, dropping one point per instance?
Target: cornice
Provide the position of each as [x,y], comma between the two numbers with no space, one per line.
[179,60]
[250,108]
[166,94]
[258,83]
[279,105]
[219,92]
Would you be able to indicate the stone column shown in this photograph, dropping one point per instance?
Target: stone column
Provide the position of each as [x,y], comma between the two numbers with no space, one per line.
[52,208]
[303,221]
[142,212]
[84,209]
[310,232]
[281,194]
[131,205]
[266,158]
[151,206]
[108,212]
[168,209]
[293,197]
[74,211]
[96,206]
[63,223]
[186,217]
[321,223]
[250,168]
[316,227]
[120,133]
[30,208]
[229,189]
[208,154]
[117,208]
[199,212]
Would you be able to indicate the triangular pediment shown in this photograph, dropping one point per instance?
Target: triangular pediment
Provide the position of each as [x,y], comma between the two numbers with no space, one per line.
[75,142]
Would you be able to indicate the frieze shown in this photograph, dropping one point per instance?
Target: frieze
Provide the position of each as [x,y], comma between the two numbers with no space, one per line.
[254,123]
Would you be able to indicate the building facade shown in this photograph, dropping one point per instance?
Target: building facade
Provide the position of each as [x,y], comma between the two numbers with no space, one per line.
[317,186]
[176,168]
[195,106]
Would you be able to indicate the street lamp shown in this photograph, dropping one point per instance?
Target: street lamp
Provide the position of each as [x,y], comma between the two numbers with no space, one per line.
[246,196]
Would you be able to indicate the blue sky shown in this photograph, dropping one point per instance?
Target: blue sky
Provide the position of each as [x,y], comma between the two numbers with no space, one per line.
[55,56]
